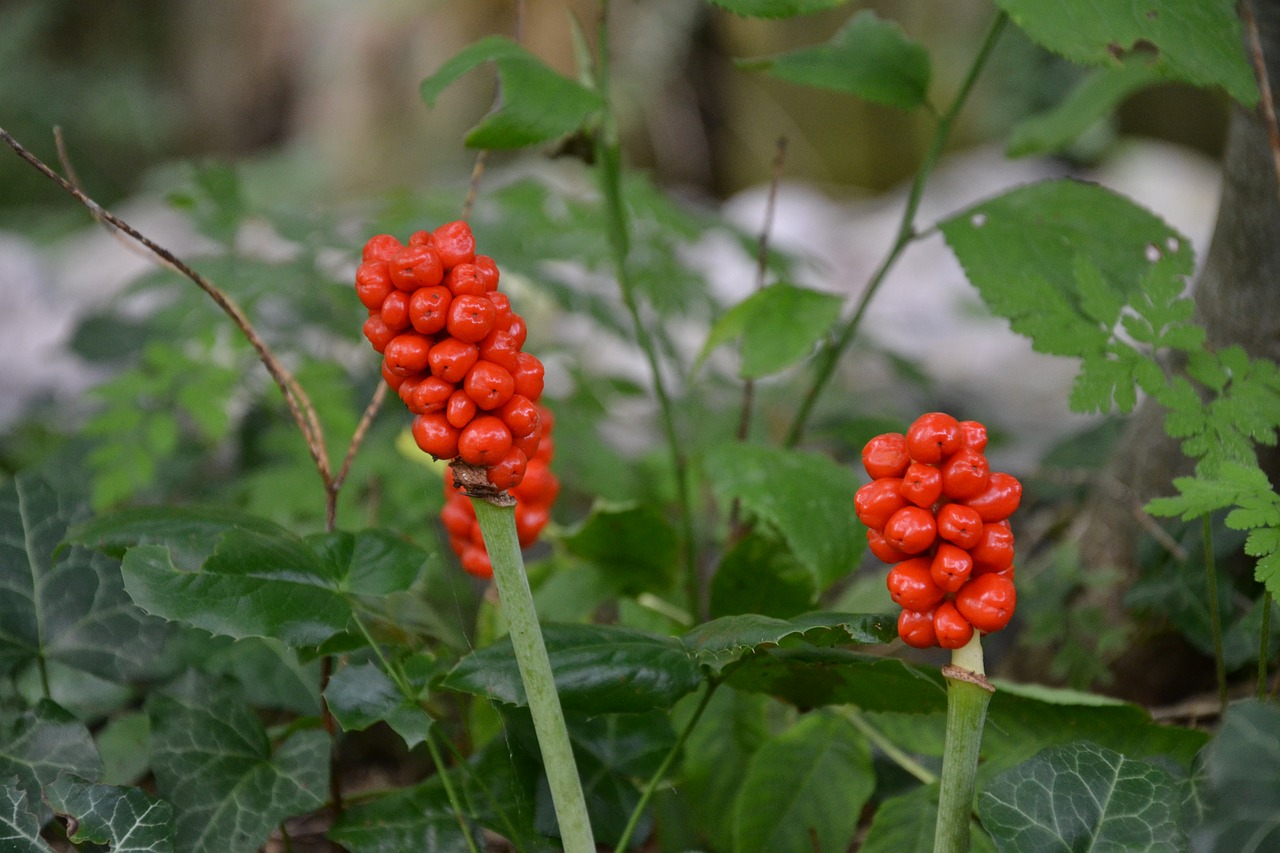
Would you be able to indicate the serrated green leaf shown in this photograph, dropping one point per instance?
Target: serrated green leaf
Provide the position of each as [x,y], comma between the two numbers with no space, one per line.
[636,549]
[415,818]
[804,789]
[1242,781]
[760,575]
[362,694]
[868,57]
[767,345]
[725,640]
[806,498]
[127,819]
[64,606]
[599,669]
[538,105]
[214,763]
[776,8]
[1091,100]
[1196,41]
[190,533]
[1081,796]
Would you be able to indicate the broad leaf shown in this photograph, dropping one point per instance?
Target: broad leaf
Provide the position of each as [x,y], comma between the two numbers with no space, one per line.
[415,818]
[768,346]
[810,676]
[190,533]
[725,640]
[868,57]
[1197,41]
[214,763]
[760,575]
[1242,782]
[777,8]
[371,562]
[906,824]
[599,669]
[537,104]
[1090,101]
[19,820]
[804,789]
[635,548]
[64,606]
[362,694]
[42,743]
[1083,797]
[128,819]
[806,498]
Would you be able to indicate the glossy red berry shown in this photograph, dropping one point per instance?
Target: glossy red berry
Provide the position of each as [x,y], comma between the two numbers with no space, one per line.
[993,552]
[911,529]
[406,353]
[879,546]
[922,484]
[435,435]
[965,474]
[951,567]
[952,629]
[455,243]
[489,385]
[484,441]
[987,602]
[960,525]
[916,629]
[450,359]
[471,318]
[999,500]
[877,501]
[429,309]
[911,585]
[933,437]
[886,455]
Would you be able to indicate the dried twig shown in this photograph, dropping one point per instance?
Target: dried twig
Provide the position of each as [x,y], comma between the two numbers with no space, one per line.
[1264,85]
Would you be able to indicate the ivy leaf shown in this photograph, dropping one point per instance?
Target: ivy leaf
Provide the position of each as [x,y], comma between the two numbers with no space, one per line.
[19,821]
[64,606]
[768,346]
[38,745]
[1196,41]
[419,817]
[1242,781]
[1082,796]
[635,548]
[538,105]
[599,669]
[804,789]
[1092,99]
[361,695]
[128,819]
[776,8]
[806,498]
[214,763]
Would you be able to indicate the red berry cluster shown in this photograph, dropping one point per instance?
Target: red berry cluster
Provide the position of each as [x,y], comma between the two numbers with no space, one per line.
[936,510]
[534,495]
[450,347]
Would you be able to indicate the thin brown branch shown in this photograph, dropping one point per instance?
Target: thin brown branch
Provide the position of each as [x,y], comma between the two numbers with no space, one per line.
[1264,85]
[474,185]
[298,402]
[357,438]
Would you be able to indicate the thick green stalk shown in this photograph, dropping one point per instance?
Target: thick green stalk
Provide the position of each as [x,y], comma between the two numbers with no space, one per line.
[968,694]
[498,525]
[833,348]
[1215,618]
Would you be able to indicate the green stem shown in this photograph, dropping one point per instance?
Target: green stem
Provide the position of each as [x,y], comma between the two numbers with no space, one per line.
[1215,618]
[661,772]
[834,347]
[968,694]
[1264,640]
[891,750]
[608,151]
[498,525]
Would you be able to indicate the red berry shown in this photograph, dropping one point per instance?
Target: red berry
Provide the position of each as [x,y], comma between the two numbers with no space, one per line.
[933,437]
[501,348]
[959,524]
[373,283]
[406,353]
[476,562]
[880,547]
[414,267]
[489,385]
[484,441]
[471,318]
[464,280]
[392,379]
[509,470]
[435,435]
[395,310]
[455,243]
[429,309]
[378,332]
[529,523]
[911,529]
[916,629]
[460,409]
[431,394]
[886,455]
[965,475]
[973,435]
[988,602]
[993,552]
[539,485]
[950,567]
[922,484]
[456,516]
[451,358]
[488,270]
[520,415]
[528,376]
[911,585]
[877,501]
[953,630]
[999,500]
[514,326]
[380,248]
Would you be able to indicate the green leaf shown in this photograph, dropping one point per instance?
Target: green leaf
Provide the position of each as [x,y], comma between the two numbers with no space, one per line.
[599,669]
[804,789]
[1242,781]
[537,104]
[128,819]
[809,677]
[1081,796]
[777,8]
[414,818]
[38,745]
[252,597]
[1094,98]
[19,820]
[728,639]
[1196,41]
[806,498]
[768,346]
[759,575]
[868,57]
[122,743]
[360,695]
[214,763]
[64,606]
[372,562]
[190,533]
[906,824]
[633,545]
